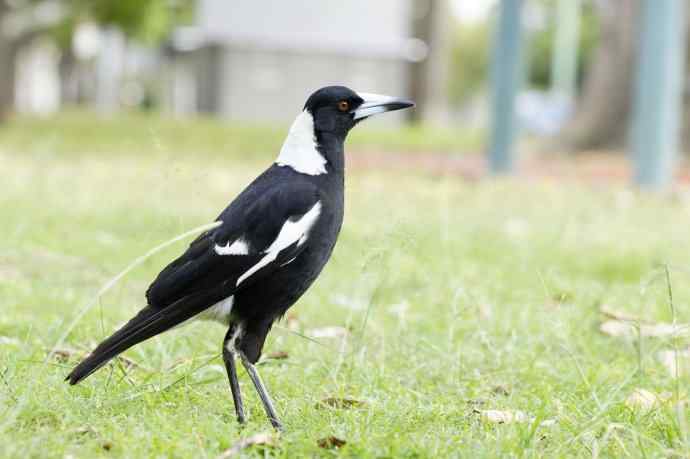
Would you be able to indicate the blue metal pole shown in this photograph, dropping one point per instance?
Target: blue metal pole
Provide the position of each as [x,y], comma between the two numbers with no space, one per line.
[658,100]
[506,77]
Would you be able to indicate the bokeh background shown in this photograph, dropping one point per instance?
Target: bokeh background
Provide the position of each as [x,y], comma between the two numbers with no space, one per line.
[576,75]
[511,279]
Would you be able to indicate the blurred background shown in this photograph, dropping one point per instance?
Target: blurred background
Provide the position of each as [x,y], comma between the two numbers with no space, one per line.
[602,77]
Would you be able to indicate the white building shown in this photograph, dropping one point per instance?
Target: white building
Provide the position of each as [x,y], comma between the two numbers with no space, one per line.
[259,59]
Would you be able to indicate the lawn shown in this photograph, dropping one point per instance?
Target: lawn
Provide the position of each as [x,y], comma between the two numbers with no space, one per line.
[449,299]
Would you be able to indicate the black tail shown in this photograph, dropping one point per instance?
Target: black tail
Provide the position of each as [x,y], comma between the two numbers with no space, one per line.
[149,322]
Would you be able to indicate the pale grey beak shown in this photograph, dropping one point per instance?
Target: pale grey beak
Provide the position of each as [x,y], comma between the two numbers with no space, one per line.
[377,103]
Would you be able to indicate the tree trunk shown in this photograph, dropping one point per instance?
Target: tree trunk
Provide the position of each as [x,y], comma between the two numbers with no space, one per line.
[7,66]
[428,76]
[603,111]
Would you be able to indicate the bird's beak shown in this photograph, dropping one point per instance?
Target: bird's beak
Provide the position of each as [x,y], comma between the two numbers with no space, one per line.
[376,103]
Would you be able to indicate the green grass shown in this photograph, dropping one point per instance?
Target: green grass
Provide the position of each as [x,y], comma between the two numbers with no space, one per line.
[457,296]
[83,133]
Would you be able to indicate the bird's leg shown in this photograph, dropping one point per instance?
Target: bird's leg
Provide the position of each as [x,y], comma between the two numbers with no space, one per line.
[229,359]
[263,393]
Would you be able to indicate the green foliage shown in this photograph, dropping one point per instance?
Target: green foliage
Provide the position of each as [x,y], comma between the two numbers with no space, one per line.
[148,21]
[542,42]
[469,61]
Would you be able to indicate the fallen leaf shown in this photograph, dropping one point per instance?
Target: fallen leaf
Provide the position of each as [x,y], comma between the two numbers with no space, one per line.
[676,362]
[503,417]
[278,355]
[615,314]
[644,400]
[328,332]
[340,403]
[620,328]
[331,442]
[85,430]
[64,354]
[61,355]
[260,439]
[624,324]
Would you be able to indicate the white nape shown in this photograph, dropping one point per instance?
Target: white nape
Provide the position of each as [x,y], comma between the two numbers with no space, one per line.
[299,149]
[219,312]
[239,247]
[291,232]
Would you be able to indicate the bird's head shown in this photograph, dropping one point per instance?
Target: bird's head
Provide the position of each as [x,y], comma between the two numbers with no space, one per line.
[315,141]
[337,109]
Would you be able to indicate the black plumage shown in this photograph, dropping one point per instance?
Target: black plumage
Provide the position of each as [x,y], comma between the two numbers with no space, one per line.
[273,242]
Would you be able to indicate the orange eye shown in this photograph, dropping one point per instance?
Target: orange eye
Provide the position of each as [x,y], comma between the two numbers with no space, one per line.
[343,105]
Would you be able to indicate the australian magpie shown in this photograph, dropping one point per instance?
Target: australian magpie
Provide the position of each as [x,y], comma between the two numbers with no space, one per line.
[271,243]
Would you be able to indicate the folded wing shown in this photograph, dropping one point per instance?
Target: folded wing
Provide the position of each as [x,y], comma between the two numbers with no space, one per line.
[252,242]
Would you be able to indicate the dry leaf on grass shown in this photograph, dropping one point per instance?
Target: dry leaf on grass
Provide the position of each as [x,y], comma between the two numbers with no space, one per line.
[84,430]
[260,439]
[619,328]
[615,314]
[331,442]
[623,324]
[644,400]
[677,363]
[328,332]
[277,355]
[502,417]
[61,354]
[340,403]
[64,354]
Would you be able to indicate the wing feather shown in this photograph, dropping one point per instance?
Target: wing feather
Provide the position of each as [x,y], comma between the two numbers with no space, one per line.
[252,241]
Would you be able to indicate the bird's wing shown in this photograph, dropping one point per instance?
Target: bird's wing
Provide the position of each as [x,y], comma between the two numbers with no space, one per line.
[251,242]
[259,239]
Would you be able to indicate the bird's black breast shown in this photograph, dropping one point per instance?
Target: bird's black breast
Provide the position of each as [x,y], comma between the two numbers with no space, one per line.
[270,297]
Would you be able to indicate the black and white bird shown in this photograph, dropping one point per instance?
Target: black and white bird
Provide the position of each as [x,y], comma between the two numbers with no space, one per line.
[272,242]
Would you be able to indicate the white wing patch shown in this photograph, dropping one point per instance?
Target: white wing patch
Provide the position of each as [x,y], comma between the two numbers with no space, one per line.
[299,149]
[291,232]
[239,247]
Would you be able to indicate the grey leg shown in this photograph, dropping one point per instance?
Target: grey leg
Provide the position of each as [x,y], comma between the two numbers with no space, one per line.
[263,393]
[229,359]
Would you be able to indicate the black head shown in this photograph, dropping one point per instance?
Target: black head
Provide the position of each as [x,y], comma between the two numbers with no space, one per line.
[337,109]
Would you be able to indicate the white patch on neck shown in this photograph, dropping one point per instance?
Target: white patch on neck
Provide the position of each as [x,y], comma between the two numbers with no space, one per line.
[299,149]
